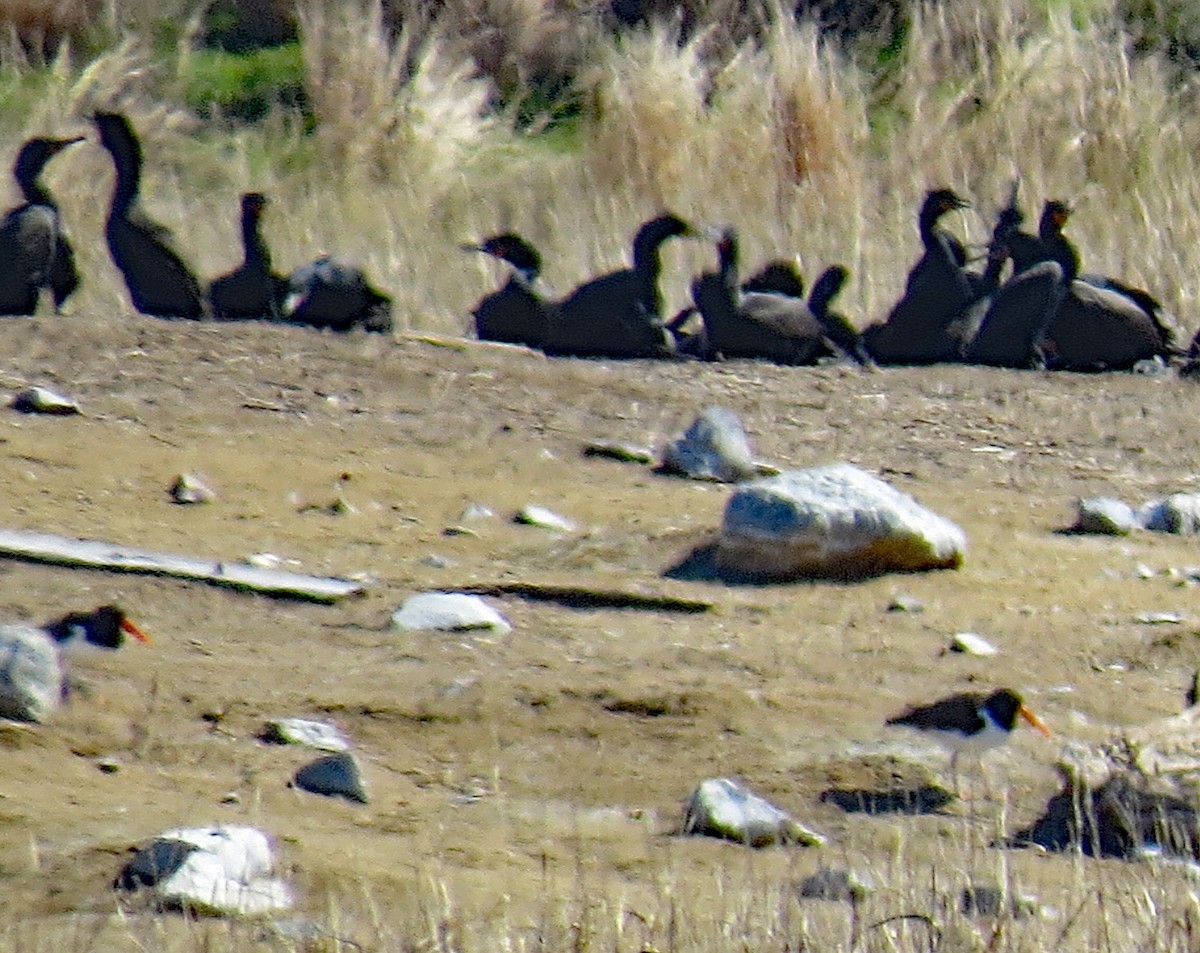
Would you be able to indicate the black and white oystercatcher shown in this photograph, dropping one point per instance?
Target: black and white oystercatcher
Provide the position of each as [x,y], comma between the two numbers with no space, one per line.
[32,677]
[970,723]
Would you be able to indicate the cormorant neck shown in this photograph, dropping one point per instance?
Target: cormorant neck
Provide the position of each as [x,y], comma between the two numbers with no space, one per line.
[256,252]
[929,226]
[727,258]
[127,159]
[34,192]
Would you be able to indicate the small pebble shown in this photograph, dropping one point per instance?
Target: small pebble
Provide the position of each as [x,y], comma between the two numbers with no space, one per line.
[906,603]
[622,452]
[547,519]
[191,488]
[40,400]
[1158,618]
[970,643]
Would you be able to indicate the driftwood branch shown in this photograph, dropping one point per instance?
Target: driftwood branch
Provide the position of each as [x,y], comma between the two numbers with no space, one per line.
[582,597]
[95,554]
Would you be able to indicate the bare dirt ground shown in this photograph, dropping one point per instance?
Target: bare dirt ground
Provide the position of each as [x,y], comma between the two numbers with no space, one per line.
[552,761]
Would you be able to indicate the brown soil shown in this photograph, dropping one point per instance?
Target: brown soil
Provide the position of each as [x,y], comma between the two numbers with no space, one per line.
[552,760]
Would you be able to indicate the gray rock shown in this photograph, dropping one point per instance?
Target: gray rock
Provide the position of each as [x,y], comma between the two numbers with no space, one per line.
[221,870]
[546,519]
[1159,618]
[40,400]
[834,520]
[905,603]
[448,612]
[991,900]
[722,807]
[1178,513]
[302,731]
[1106,516]
[191,488]
[840,885]
[335,775]
[31,675]
[970,643]
[714,447]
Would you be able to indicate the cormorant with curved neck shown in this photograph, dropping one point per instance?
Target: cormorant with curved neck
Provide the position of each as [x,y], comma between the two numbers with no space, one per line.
[620,314]
[34,251]
[159,282]
[520,312]
[253,290]
[767,325]
[939,289]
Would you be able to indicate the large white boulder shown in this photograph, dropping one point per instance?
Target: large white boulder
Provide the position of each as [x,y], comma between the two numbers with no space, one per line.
[31,677]
[220,870]
[833,520]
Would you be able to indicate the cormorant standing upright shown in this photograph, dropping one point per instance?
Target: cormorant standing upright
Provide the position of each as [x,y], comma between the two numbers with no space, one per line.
[252,290]
[620,314]
[34,251]
[159,282]
[519,312]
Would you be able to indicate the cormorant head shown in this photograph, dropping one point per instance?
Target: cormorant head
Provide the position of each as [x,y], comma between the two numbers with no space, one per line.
[254,203]
[36,153]
[1055,215]
[940,201]
[512,248]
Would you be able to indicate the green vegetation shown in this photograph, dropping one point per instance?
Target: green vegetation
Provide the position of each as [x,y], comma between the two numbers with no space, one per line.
[244,86]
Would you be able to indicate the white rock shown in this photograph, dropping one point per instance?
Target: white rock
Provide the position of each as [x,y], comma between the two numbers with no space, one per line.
[970,643]
[722,807]
[1178,513]
[547,519]
[303,731]
[1106,516]
[191,488]
[41,400]
[834,520]
[31,675]
[448,612]
[714,447]
[221,870]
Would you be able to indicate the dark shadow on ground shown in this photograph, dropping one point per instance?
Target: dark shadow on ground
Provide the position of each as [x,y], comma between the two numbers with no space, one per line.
[925,799]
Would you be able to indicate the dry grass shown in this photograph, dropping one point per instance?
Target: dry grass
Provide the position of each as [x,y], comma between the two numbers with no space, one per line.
[808,154]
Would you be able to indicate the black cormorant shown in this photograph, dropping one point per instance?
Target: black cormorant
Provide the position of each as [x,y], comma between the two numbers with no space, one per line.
[34,251]
[253,290]
[619,314]
[159,282]
[335,294]
[520,312]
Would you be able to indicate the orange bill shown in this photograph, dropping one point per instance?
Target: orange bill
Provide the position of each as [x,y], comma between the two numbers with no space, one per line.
[1034,720]
[131,629]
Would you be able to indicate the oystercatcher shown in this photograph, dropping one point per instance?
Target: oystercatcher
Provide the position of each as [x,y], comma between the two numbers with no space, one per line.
[970,723]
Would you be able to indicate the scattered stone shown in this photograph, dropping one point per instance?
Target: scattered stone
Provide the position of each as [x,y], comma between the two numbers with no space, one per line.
[303,731]
[622,452]
[458,530]
[1178,513]
[108,765]
[220,870]
[834,520]
[970,643]
[335,775]
[1106,516]
[904,603]
[990,900]
[476,511]
[40,400]
[714,447]
[437,561]
[31,677]
[191,488]
[841,885]
[264,560]
[1152,367]
[1159,618]
[1142,571]
[546,519]
[722,807]
[448,612]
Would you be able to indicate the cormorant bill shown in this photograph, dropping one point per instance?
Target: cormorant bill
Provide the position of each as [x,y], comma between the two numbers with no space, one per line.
[253,290]
[34,251]
[159,282]
[620,314]
[335,294]
[520,312]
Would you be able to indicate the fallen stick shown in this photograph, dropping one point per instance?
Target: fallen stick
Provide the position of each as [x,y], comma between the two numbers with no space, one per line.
[581,597]
[96,554]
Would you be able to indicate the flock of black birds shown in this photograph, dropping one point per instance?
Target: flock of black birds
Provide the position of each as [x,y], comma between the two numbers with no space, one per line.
[36,257]
[1029,306]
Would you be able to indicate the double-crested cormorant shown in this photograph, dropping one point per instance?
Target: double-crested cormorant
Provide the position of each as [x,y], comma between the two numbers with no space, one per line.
[520,312]
[619,314]
[159,282]
[335,294]
[252,290]
[775,327]
[34,251]
[938,289]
